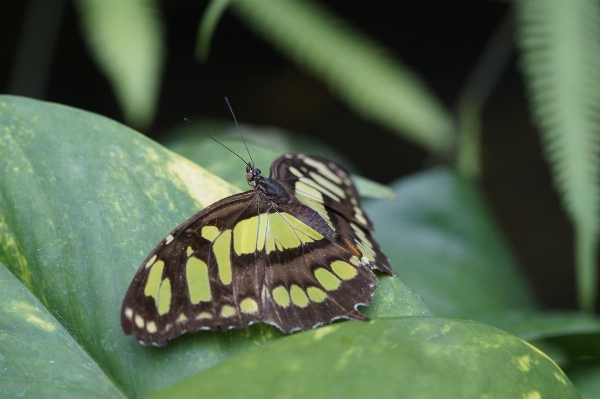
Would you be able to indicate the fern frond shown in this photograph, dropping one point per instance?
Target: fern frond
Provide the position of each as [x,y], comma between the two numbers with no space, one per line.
[560,50]
[356,68]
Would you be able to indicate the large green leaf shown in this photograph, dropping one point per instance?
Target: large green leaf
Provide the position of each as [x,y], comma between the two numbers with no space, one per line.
[564,336]
[407,357]
[38,357]
[83,199]
[586,377]
[443,242]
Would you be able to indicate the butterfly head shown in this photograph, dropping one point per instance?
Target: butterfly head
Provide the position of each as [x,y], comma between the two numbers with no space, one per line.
[253,175]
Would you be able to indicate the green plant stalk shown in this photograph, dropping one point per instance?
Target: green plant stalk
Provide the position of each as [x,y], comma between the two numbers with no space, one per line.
[483,78]
[586,259]
[468,162]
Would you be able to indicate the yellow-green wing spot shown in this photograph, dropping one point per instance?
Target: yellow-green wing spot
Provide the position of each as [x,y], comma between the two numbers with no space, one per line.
[344,270]
[152,286]
[308,191]
[196,273]
[248,306]
[306,233]
[222,250]
[334,188]
[158,288]
[164,297]
[281,296]
[151,327]
[363,244]
[245,235]
[317,186]
[327,279]
[295,171]
[249,234]
[281,233]
[313,199]
[359,215]
[270,247]
[227,311]
[323,169]
[189,251]
[285,231]
[366,251]
[209,232]
[316,294]
[299,298]
[151,261]
[128,313]
[263,224]
[203,315]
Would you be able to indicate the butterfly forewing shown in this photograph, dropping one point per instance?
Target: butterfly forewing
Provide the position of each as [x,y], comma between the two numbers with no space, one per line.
[283,254]
[181,286]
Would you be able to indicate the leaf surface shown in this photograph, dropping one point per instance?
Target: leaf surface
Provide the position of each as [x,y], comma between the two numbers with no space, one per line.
[410,357]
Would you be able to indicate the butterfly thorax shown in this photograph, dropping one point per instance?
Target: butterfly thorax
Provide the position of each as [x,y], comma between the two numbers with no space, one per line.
[280,199]
[270,188]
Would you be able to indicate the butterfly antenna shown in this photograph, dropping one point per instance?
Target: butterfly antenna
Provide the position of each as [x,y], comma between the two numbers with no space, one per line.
[238,128]
[233,152]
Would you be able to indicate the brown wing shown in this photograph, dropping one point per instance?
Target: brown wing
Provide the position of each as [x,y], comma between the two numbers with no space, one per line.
[307,173]
[192,280]
[326,187]
[243,260]
[318,283]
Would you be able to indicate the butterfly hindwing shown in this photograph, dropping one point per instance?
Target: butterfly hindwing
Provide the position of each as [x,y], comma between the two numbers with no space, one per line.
[323,181]
[326,187]
[323,285]
[283,254]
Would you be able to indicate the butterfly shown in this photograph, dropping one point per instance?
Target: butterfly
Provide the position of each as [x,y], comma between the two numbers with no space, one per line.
[295,252]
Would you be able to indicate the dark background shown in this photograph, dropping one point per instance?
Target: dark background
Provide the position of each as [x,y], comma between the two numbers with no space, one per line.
[439,40]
